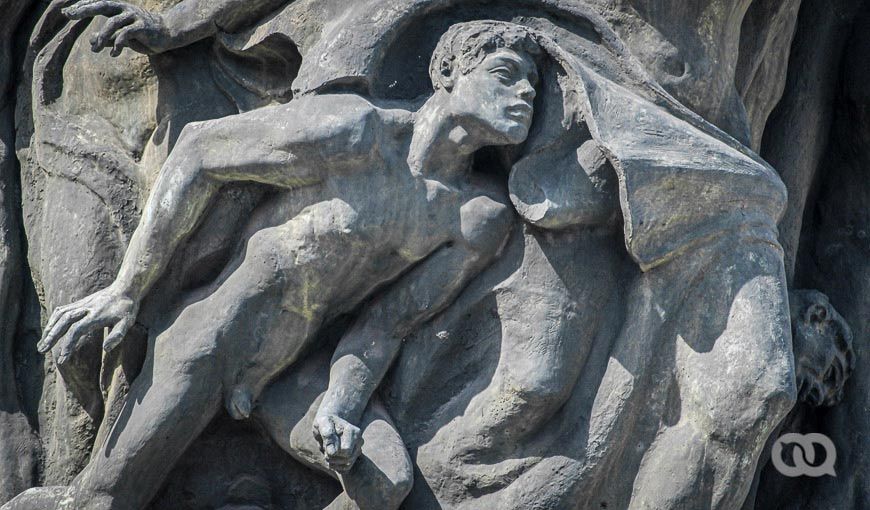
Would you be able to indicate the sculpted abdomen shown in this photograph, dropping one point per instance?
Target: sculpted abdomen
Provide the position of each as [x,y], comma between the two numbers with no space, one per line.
[303,247]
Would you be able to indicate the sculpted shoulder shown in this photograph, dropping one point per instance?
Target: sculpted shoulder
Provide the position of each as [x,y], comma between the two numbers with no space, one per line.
[343,122]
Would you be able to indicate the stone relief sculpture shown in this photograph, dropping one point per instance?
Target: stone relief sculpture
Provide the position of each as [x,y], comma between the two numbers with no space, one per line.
[448,255]
[19,446]
[301,258]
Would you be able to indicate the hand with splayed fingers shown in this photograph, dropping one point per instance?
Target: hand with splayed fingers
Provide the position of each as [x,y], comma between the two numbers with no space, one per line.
[68,324]
[128,26]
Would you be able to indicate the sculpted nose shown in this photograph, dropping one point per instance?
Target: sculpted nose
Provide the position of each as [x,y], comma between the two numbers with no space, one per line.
[528,92]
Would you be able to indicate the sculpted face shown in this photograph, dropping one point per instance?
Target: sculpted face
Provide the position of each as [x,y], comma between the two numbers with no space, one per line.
[495,100]
[823,350]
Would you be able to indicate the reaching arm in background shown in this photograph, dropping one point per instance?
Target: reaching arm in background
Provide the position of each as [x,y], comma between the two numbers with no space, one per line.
[147,32]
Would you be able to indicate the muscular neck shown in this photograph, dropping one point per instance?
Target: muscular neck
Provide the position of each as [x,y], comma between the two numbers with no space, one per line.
[440,146]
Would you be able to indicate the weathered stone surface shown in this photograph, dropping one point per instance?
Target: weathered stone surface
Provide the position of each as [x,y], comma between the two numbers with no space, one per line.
[798,132]
[18,444]
[344,260]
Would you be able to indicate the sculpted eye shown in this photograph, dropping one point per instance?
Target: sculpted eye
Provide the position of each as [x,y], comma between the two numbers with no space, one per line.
[503,73]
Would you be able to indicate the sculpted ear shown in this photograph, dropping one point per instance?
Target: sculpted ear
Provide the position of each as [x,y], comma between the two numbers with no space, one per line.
[446,76]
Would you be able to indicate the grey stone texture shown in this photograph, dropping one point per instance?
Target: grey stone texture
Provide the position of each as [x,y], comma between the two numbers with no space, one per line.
[425,254]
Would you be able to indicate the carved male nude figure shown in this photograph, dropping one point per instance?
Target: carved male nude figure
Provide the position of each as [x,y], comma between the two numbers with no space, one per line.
[372,199]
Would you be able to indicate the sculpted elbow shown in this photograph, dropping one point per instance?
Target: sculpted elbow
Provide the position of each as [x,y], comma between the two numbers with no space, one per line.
[486,225]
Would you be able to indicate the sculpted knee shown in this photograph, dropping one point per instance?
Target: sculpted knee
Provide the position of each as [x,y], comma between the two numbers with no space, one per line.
[541,388]
[757,406]
[399,489]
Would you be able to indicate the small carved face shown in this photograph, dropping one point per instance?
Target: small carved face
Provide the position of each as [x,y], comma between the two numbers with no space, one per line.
[495,100]
[822,347]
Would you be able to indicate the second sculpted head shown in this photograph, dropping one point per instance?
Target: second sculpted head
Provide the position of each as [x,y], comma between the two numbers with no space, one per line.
[487,72]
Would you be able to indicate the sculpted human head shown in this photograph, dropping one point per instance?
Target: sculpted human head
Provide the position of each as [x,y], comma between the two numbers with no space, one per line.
[486,73]
[822,342]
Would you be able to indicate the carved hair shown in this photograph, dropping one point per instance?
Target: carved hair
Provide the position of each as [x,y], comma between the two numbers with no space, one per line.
[464,46]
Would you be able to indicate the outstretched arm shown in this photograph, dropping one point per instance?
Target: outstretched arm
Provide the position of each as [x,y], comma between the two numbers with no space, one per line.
[185,23]
[285,146]
[198,19]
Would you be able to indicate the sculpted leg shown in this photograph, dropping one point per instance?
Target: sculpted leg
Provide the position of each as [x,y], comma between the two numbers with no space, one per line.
[172,401]
[736,382]
[381,477]
[182,386]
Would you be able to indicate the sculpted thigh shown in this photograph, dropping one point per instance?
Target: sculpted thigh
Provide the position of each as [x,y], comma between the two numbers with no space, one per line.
[551,312]
[733,355]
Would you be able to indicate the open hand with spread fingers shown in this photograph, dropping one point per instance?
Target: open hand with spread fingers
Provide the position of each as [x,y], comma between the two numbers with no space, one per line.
[128,26]
[68,324]
[340,442]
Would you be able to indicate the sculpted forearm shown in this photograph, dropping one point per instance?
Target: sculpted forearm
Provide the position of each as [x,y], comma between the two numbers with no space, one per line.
[359,364]
[194,20]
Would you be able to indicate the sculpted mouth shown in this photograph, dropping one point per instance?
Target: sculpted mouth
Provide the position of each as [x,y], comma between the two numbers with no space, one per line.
[520,111]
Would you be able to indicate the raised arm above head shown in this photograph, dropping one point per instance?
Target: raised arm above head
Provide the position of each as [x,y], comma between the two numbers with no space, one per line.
[189,21]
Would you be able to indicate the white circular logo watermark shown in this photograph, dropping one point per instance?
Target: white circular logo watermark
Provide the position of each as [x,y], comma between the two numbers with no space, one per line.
[804,455]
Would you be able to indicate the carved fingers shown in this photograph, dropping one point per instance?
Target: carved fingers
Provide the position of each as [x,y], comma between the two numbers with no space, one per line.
[128,26]
[117,334]
[58,324]
[68,324]
[340,442]
[84,9]
[105,37]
